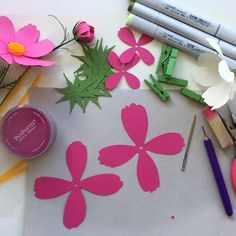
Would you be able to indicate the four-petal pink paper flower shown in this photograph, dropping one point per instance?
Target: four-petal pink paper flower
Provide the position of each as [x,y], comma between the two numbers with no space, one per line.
[135,122]
[113,80]
[75,209]
[23,46]
[127,36]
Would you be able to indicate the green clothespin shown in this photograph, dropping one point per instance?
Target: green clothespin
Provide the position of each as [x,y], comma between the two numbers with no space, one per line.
[165,53]
[169,68]
[173,81]
[192,95]
[157,88]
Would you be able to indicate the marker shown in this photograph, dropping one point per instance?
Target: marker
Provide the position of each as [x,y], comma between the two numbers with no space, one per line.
[198,22]
[180,28]
[171,38]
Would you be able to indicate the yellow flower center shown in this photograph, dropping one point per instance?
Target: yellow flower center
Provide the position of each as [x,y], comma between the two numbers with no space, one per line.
[16,49]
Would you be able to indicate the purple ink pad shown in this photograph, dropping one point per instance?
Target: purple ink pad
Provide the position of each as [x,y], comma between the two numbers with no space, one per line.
[28,131]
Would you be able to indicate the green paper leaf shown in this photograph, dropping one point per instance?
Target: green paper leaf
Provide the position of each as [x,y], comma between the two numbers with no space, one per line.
[89,78]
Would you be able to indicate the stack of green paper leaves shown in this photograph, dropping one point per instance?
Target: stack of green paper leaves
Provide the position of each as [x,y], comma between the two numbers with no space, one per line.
[89,81]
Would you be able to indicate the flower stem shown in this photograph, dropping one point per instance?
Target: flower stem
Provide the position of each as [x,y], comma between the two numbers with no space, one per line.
[62,44]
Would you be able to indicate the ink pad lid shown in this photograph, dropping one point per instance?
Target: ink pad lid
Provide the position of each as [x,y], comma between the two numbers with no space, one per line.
[28,131]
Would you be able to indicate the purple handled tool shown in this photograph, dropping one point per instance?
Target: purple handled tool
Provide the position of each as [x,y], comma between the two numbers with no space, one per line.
[218,175]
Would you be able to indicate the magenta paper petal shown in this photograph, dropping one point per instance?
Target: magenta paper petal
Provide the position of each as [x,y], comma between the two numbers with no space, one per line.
[116,155]
[26,61]
[114,60]
[39,49]
[128,55]
[49,187]
[28,35]
[75,209]
[168,144]
[146,56]
[7,31]
[131,64]
[147,173]
[113,80]
[135,122]
[76,159]
[132,80]
[144,39]
[127,36]
[8,58]
[3,48]
[104,184]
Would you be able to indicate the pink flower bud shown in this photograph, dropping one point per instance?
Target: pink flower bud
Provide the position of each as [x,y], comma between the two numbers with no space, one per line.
[83,32]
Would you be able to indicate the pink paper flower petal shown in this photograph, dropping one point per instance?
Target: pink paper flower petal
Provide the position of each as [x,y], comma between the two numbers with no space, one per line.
[146,56]
[8,58]
[132,80]
[49,187]
[76,159]
[114,61]
[147,173]
[39,49]
[26,61]
[7,31]
[113,80]
[133,63]
[104,184]
[127,36]
[135,122]
[75,209]
[28,35]
[3,48]
[168,144]
[116,155]
[144,39]
[128,55]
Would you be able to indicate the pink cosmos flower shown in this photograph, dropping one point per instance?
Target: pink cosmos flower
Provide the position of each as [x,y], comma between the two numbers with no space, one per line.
[113,80]
[75,209]
[127,36]
[23,46]
[135,122]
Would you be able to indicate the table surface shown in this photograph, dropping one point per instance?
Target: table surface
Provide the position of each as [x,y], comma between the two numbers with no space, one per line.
[107,16]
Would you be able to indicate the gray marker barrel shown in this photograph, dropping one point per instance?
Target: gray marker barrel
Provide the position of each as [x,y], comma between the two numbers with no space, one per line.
[171,38]
[180,28]
[192,19]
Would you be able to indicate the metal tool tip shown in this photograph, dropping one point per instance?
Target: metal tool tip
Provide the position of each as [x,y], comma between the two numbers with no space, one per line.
[204,131]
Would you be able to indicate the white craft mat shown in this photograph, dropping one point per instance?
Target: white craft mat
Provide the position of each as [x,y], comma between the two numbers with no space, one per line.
[191,197]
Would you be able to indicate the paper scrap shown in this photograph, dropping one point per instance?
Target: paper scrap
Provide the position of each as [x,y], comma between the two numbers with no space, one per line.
[135,122]
[75,208]
[113,80]
[127,36]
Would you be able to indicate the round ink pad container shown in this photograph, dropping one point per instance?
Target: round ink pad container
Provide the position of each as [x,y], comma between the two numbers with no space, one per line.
[28,131]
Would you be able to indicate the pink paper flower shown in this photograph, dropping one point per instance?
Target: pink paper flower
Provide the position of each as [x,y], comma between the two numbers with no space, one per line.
[127,36]
[23,46]
[135,122]
[75,209]
[113,80]
[83,32]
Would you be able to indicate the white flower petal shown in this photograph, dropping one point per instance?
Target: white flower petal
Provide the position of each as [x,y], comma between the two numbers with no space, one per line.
[218,95]
[208,58]
[207,76]
[215,45]
[225,72]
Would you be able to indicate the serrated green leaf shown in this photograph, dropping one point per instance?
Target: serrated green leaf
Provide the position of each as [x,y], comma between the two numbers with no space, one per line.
[89,78]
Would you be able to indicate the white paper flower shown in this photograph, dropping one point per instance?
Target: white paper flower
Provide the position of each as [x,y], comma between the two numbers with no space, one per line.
[220,87]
